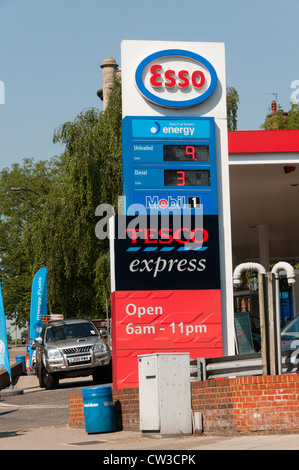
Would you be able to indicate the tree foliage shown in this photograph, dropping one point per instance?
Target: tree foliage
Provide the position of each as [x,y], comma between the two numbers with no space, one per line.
[232,102]
[18,210]
[283,120]
[53,223]
[90,174]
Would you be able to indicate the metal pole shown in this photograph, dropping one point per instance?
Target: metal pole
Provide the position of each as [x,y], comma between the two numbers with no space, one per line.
[107,323]
[294,299]
[263,324]
[272,325]
[278,329]
[277,268]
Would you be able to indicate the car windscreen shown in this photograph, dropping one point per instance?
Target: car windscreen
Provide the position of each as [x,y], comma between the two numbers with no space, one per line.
[72,331]
[291,330]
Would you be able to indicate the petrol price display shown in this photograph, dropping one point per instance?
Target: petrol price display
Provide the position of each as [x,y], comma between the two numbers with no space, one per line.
[186,153]
[169,162]
[187,177]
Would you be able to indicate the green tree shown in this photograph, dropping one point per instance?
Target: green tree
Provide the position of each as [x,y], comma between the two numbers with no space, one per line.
[232,102]
[78,274]
[18,211]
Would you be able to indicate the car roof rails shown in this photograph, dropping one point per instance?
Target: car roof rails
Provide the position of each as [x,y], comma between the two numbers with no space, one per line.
[51,318]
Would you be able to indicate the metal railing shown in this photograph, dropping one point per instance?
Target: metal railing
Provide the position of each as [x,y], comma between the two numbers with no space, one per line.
[238,366]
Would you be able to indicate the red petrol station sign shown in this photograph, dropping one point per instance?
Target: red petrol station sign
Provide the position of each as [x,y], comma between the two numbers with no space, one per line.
[166,280]
[147,322]
[166,295]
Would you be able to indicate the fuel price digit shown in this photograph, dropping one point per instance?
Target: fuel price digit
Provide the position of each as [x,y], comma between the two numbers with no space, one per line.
[190,150]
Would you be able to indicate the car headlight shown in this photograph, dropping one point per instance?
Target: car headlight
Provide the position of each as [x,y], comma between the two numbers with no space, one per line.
[100,347]
[53,353]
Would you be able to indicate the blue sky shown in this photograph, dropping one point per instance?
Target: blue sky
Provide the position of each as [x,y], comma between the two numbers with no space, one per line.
[51,52]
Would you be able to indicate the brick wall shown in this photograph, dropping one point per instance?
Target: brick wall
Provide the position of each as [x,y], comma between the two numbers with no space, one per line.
[213,398]
[76,410]
[126,403]
[262,404]
[267,404]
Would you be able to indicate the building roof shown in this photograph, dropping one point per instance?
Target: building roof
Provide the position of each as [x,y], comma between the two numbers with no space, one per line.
[286,140]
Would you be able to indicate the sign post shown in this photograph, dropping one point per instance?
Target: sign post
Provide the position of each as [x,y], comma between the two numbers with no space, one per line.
[171,265]
[38,306]
[4,354]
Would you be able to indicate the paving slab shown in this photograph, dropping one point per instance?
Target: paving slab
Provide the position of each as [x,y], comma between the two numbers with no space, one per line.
[67,438]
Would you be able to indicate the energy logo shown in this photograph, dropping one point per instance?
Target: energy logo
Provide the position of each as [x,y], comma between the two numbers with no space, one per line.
[156,128]
[38,327]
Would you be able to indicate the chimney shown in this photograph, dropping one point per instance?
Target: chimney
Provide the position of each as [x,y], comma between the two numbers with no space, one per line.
[274,106]
[110,69]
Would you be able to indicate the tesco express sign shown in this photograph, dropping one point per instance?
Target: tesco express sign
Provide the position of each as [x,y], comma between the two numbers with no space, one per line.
[176,78]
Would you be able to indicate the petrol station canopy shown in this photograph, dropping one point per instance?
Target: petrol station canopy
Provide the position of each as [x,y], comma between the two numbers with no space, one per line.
[264,195]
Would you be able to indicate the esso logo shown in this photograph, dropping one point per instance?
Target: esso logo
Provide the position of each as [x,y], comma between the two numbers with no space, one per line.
[182,78]
[175,78]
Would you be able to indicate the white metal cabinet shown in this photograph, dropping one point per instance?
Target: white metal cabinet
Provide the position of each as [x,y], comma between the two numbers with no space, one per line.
[164,393]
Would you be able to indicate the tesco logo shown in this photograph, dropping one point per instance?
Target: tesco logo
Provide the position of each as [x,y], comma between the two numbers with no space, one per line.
[176,78]
[168,235]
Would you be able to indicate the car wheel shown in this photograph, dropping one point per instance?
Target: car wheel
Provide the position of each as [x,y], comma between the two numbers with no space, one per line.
[50,381]
[40,376]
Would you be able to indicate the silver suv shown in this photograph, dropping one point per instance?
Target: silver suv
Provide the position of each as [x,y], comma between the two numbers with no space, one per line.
[71,348]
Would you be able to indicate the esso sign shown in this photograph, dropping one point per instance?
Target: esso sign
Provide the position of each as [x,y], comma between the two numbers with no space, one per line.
[175,78]
[182,79]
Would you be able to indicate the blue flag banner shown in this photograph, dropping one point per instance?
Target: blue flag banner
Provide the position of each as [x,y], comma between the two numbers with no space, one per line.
[38,306]
[4,356]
